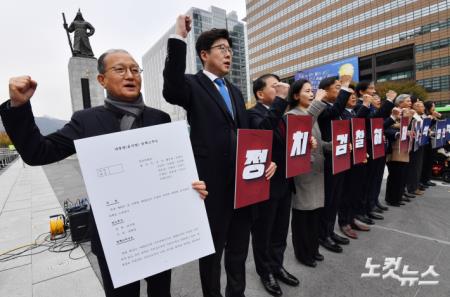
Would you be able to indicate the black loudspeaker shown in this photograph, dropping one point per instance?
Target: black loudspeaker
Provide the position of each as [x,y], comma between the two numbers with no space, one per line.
[79,225]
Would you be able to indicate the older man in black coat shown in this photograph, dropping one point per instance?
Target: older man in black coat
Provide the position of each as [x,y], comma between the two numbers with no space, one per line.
[124,109]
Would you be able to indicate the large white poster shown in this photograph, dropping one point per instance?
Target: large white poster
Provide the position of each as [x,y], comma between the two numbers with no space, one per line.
[139,184]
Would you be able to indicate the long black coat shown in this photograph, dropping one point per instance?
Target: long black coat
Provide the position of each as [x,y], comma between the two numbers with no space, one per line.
[269,119]
[332,112]
[213,130]
[36,149]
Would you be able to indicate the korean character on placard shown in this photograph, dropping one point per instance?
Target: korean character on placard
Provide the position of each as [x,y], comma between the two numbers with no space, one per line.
[341,148]
[255,164]
[359,141]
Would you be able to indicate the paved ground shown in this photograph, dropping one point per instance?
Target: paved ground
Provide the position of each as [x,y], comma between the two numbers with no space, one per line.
[26,202]
[418,232]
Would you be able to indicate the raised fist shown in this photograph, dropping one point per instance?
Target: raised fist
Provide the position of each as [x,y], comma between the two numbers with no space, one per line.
[320,94]
[183,25]
[345,80]
[282,89]
[367,99]
[21,89]
[436,115]
[396,112]
[409,112]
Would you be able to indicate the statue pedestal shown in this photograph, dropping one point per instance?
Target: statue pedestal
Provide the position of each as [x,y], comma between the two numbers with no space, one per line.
[85,90]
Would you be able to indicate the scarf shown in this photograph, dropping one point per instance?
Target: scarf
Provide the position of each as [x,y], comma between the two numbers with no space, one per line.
[129,110]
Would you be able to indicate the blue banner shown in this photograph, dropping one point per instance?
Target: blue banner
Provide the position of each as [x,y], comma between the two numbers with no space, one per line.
[441,127]
[447,134]
[348,66]
[425,131]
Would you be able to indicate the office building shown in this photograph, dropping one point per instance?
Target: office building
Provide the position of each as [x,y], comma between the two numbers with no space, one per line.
[153,59]
[393,40]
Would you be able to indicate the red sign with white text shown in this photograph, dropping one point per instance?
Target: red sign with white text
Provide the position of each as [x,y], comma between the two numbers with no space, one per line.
[404,140]
[253,157]
[377,133]
[298,146]
[359,140]
[340,137]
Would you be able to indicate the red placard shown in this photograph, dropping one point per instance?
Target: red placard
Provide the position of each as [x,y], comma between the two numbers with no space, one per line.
[298,148]
[404,140]
[377,132]
[340,135]
[359,140]
[253,157]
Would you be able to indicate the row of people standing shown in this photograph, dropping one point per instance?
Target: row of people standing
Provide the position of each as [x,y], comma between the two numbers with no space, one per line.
[319,197]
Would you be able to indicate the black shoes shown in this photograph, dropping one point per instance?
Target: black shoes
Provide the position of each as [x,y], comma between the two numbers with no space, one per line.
[382,207]
[286,277]
[395,204]
[319,257]
[309,263]
[375,216]
[377,210]
[430,184]
[364,219]
[271,285]
[330,245]
[339,239]
[409,195]
[406,199]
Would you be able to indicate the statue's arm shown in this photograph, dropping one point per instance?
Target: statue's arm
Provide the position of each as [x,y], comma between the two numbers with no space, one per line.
[91,29]
[71,28]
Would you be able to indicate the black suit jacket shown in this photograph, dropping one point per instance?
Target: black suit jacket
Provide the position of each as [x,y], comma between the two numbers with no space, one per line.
[332,112]
[36,149]
[213,130]
[383,112]
[347,115]
[269,119]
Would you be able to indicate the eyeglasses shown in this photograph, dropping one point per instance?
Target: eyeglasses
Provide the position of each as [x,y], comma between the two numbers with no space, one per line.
[223,49]
[122,70]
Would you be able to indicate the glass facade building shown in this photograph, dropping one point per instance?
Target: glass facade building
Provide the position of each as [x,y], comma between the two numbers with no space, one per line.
[203,20]
[395,40]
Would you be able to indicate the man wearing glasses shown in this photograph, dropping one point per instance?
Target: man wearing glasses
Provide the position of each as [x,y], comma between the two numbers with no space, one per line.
[215,110]
[124,109]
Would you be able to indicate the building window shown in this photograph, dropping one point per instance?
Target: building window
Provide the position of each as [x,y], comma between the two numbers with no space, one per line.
[433,64]
[436,84]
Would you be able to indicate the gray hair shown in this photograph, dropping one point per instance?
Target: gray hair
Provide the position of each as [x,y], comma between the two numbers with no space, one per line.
[101,60]
[400,98]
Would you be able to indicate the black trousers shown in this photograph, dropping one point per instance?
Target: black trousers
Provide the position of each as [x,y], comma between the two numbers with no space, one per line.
[374,179]
[334,185]
[427,163]
[305,233]
[269,233]
[414,170]
[158,285]
[232,236]
[353,194]
[396,181]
